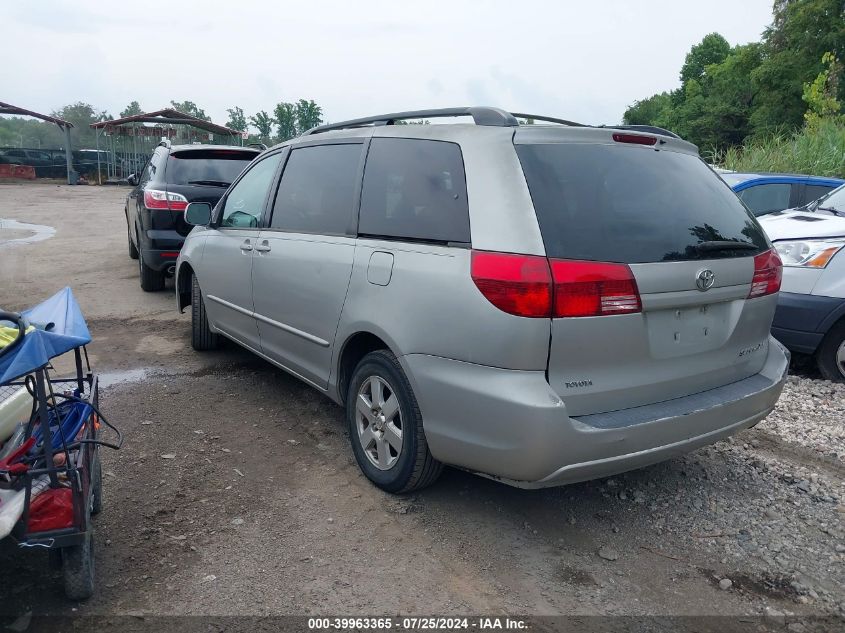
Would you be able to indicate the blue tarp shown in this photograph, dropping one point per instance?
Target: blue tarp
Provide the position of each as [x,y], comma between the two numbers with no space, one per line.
[68,331]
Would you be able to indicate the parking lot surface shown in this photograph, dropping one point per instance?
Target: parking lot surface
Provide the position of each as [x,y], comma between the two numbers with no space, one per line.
[236,491]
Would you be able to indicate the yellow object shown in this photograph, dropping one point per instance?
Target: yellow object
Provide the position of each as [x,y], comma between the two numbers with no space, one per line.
[9,334]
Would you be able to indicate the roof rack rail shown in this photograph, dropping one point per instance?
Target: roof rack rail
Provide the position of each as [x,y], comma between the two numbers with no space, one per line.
[482,115]
[547,119]
[260,146]
[644,128]
[165,142]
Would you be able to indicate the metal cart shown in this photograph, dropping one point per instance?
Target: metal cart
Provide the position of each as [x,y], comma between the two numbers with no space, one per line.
[54,466]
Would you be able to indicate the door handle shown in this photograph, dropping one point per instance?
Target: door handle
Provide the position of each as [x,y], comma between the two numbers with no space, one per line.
[246,246]
[264,247]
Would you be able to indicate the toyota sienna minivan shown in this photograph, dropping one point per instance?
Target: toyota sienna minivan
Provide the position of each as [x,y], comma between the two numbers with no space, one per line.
[540,304]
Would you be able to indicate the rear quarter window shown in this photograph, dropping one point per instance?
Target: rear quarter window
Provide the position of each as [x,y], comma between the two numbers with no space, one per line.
[631,204]
[414,189]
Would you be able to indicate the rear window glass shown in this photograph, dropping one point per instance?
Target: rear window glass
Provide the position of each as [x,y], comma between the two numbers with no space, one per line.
[631,204]
[415,189]
[207,167]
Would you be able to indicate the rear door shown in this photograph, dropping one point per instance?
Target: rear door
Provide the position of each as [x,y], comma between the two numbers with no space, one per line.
[225,271]
[303,259]
[662,216]
[202,175]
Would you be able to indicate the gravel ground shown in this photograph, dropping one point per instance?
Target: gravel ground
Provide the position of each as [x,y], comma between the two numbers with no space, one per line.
[262,511]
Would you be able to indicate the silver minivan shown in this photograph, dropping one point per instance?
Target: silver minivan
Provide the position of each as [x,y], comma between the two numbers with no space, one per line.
[540,304]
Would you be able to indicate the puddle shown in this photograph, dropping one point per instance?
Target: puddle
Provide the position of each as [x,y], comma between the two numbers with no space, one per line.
[111,378]
[14,233]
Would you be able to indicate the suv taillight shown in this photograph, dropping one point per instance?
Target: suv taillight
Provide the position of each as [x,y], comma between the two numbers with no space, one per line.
[157,199]
[583,288]
[534,286]
[768,271]
[516,284]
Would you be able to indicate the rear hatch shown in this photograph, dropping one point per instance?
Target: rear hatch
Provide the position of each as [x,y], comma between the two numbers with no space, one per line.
[667,251]
[202,175]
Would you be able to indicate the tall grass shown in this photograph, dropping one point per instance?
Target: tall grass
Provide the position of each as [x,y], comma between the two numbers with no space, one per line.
[817,151]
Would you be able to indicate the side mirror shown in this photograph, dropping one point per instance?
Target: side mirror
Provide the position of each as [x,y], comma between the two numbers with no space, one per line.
[132,179]
[198,214]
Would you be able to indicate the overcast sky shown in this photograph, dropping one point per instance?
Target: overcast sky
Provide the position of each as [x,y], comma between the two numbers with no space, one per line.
[584,60]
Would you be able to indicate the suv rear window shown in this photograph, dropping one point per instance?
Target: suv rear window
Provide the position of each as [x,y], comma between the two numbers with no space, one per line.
[631,204]
[415,189]
[207,167]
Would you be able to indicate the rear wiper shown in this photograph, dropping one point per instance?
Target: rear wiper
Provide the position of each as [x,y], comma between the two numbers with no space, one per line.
[835,212]
[726,245]
[212,183]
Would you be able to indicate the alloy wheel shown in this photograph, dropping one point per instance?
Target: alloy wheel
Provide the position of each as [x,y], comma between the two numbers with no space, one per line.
[379,422]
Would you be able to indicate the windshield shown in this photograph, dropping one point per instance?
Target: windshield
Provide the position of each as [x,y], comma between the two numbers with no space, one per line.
[633,205]
[832,202]
[207,167]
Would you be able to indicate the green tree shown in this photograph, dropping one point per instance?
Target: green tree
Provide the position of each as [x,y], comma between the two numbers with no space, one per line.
[82,115]
[263,122]
[308,115]
[285,119]
[713,49]
[820,94]
[189,107]
[649,111]
[237,120]
[132,109]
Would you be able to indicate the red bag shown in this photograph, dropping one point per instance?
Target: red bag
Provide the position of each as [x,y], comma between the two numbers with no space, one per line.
[51,510]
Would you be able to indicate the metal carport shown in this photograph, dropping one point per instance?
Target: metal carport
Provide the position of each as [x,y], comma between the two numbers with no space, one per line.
[8,108]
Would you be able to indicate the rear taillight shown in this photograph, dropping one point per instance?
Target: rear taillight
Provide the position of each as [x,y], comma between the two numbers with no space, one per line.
[584,288]
[157,199]
[768,270]
[516,284]
[533,286]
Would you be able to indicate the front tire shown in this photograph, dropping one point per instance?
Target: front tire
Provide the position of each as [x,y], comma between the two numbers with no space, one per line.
[385,426]
[830,356]
[202,338]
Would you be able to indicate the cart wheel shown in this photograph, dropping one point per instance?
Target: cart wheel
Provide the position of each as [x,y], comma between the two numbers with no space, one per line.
[97,486]
[78,568]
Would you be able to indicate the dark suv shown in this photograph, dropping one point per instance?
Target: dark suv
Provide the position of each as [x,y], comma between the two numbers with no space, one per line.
[174,176]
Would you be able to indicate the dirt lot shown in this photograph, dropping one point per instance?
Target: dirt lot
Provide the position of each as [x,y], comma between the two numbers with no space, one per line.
[263,510]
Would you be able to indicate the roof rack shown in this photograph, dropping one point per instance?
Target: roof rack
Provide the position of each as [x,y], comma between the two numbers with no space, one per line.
[643,128]
[482,115]
[165,142]
[547,119]
[260,146]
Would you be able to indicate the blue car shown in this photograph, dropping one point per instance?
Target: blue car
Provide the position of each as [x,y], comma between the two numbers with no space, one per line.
[767,193]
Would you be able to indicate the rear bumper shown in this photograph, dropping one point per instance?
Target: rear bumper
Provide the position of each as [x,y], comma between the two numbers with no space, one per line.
[802,320]
[162,249]
[510,425]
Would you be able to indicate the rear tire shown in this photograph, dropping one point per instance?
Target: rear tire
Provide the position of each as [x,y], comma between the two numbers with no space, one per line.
[133,250]
[151,280]
[202,338]
[78,567]
[373,424]
[830,357]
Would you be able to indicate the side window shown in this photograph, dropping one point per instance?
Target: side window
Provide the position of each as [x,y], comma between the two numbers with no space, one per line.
[150,169]
[762,199]
[317,190]
[814,192]
[245,201]
[415,189]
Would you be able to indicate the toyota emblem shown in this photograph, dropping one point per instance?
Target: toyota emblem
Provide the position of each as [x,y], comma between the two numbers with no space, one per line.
[704,280]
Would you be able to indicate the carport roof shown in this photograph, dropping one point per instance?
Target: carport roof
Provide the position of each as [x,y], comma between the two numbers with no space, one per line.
[168,115]
[8,108]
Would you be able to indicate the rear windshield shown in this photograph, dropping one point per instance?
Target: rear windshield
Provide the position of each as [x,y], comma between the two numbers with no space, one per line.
[207,167]
[632,204]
